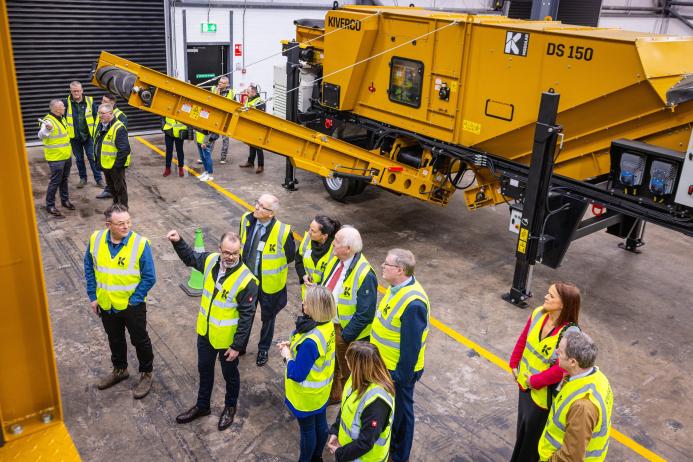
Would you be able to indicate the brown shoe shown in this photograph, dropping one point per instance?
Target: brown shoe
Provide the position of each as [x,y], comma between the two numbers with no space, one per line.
[259,169]
[118,375]
[143,386]
[246,165]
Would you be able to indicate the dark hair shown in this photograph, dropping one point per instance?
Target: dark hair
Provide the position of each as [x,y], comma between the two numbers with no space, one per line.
[327,225]
[231,236]
[115,208]
[110,97]
[571,299]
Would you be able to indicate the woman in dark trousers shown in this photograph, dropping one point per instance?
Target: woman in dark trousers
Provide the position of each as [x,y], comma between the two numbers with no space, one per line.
[364,422]
[534,364]
[310,370]
[315,251]
[174,133]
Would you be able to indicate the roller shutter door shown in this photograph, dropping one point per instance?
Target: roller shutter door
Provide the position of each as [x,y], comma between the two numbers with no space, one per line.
[56,42]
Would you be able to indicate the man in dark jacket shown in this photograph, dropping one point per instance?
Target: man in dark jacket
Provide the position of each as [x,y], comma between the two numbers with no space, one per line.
[109,98]
[112,149]
[223,321]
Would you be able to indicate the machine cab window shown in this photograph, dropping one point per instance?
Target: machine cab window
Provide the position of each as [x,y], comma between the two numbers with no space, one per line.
[406,77]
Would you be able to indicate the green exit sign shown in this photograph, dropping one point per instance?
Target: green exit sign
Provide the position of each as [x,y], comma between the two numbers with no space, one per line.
[208,27]
[204,76]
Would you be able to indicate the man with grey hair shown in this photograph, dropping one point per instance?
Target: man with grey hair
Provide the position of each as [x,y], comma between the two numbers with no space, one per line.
[112,149]
[579,421]
[57,151]
[81,122]
[354,285]
[267,249]
[223,89]
[400,330]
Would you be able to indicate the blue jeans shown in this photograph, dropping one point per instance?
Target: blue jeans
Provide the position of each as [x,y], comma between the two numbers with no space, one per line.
[206,156]
[313,436]
[206,359]
[403,421]
[79,149]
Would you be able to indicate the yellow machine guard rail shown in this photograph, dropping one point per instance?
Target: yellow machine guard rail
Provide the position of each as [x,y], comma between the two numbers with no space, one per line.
[308,149]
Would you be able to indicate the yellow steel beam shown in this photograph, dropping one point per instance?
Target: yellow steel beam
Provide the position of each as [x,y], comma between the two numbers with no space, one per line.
[30,409]
[308,149]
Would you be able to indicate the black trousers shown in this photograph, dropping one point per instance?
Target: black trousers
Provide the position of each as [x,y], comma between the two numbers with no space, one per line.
[270,306]
[115,180]
[253,151]
[170,141]
[531,420]
[60,172]
[206,357]
[134,319]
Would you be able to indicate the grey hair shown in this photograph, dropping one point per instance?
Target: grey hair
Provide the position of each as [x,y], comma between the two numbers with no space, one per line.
[106,106]
[223,77]
[230,236]
[54,103]
[273,202]
[404,259]
[580,347]
[351,238]
[75,83]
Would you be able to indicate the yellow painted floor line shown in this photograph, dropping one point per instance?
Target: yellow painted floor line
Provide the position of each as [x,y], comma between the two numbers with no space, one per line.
[483,352]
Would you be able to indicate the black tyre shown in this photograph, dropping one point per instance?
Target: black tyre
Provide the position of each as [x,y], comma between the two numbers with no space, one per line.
[357,187]
[338,188]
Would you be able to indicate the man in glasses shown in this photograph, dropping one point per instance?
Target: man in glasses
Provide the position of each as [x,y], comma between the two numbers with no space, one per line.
[267,249]
[223,322]
[400,329]
[112,150]
[119,272]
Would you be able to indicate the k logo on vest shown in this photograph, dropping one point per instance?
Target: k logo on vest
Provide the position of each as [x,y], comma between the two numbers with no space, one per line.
[386,309]
[273,248]
[224,293]
[347,291]
[546,350]
[121,261]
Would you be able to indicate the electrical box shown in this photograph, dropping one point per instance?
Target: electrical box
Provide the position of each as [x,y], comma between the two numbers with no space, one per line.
[684,192]
[515,218]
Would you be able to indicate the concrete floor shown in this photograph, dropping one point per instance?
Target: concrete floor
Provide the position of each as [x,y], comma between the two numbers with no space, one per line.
[637,307]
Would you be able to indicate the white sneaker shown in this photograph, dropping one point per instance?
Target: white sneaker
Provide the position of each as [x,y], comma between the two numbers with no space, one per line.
[209,178]
[203,177]
[199,161]
[222,161]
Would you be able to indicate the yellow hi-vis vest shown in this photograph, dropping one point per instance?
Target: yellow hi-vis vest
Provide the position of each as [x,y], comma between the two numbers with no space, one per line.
[88,115]
[273,263]
[350,419]
[346,302]
[57,146]
[108,147]
[386,333]
[314,391]
[594,386]
[316,271]
[230,95]
[537,356]
[219,315]
[117,277]
[173,124]
[256,101]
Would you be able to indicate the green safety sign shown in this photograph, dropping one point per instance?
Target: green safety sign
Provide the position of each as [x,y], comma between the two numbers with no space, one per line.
[204,76]
[208,27]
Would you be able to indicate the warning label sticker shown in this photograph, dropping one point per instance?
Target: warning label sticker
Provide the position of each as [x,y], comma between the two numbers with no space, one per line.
[472,127]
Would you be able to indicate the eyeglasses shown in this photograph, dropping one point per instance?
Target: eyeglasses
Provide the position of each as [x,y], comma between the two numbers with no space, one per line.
[120,223]
[258,205]
[226,254]
[388,264]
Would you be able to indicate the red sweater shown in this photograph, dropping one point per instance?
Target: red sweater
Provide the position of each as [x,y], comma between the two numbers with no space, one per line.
[550,376]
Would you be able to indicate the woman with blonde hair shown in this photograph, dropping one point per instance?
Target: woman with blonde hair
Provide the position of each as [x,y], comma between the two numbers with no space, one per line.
[364,422]
[310,370]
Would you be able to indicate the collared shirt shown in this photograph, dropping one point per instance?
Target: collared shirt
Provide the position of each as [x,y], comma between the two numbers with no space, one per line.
[261,228]
[147,272]
[339,286]
[579,376]
[79,118]
[395,289]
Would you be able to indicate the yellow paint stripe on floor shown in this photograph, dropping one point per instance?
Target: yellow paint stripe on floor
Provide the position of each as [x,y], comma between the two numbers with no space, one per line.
[483,352]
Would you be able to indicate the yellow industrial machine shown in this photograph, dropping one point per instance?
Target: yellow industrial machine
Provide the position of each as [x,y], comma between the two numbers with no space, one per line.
[31,417]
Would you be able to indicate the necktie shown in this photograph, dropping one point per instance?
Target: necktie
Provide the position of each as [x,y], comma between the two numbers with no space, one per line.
[335,277]
[252,255]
